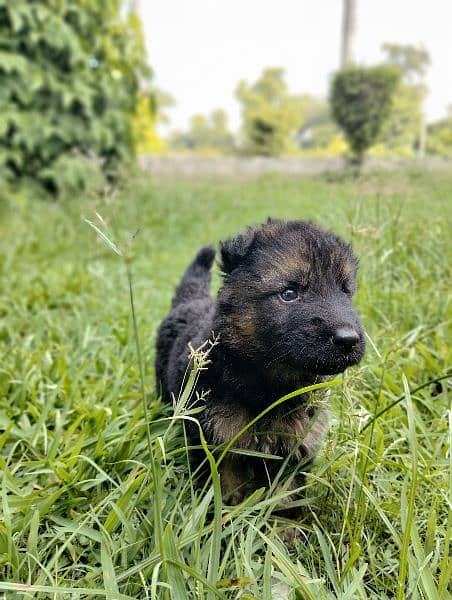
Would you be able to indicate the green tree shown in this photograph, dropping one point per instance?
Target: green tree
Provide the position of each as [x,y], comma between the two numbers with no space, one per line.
[271,116]
[405,124]
[150,111]
[69,82]
[439,140]
[412,61]
[361,102]
[318,129]
[206,133]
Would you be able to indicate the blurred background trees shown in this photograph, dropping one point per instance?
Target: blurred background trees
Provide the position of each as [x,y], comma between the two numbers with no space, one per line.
[271,115]
[210,134]
[70,73]
[439,136]
[77,100]
[404,129]
[150,111]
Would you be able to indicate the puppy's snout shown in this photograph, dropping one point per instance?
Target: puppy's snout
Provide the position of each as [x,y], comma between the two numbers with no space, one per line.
[345,338]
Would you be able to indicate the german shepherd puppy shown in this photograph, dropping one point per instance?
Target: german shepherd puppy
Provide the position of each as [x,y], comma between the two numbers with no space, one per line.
[283,319]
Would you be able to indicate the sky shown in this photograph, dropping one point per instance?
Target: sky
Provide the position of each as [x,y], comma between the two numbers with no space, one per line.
[200,49]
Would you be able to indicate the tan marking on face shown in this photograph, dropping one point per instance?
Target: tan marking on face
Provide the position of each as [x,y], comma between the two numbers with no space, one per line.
[241,330]
[284,268]
[347,269]
[244,324]
[292,265]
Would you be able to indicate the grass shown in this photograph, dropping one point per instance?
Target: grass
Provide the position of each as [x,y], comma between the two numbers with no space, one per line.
[96,501]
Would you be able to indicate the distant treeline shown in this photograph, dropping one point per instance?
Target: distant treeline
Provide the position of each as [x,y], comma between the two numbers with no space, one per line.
[77,101]
[379,107]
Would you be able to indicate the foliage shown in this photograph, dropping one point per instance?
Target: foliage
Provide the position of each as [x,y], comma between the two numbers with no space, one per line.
[69,77]
[206,133]
[361,102]
[318,131]
[144,122]
[271,116]
[412,61]
[89,510]
[150,111]
[439,140]
[403,126]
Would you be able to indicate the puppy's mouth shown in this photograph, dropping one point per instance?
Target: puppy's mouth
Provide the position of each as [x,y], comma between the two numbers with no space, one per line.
[332,367]
[329,360]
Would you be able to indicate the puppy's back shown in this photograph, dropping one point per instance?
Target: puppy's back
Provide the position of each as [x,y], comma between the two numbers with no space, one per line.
[189,321]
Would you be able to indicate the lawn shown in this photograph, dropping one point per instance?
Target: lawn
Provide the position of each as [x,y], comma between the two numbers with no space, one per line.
[96,497]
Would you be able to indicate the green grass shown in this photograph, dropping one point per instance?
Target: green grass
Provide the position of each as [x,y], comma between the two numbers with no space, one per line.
[97,503]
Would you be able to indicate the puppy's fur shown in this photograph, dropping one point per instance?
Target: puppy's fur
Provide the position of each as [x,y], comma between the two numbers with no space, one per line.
[284,319]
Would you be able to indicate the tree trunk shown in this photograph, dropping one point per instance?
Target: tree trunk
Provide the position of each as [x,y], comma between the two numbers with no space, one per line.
[348,33]
[422,138]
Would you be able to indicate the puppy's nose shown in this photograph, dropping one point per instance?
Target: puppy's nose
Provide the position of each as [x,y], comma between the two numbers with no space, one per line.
[345,338]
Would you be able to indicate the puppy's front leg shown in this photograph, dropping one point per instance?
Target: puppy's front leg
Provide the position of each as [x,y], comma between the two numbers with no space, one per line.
[233,479]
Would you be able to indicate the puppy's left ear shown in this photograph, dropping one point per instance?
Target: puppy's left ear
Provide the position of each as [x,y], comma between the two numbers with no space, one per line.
[234,250]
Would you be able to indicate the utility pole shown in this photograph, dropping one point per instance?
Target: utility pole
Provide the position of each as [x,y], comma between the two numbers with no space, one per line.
[348,33]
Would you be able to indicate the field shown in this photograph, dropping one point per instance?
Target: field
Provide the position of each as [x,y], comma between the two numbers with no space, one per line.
[96,497]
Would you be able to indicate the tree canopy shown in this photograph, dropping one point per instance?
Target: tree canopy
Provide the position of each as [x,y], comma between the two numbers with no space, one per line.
[271,115]
[206,133]
[69,80]
[361,102]
[404,124]
[439,140]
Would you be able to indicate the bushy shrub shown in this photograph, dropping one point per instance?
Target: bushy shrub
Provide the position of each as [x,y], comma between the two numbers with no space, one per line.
[271,115]
[69,73]
[361,102]
[439,138]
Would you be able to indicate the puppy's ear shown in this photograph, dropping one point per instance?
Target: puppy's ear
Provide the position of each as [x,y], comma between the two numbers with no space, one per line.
[271,220]
[234,250]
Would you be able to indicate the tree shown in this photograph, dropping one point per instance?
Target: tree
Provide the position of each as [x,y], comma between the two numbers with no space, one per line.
[271,116]
[412,61]
[348,33]
[206,133]
[150,111]
[361,102]
[318,130]
[69,75]
[405,125]
[440,136]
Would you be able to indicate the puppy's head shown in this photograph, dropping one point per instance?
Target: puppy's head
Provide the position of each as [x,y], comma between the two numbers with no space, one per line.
[286,301]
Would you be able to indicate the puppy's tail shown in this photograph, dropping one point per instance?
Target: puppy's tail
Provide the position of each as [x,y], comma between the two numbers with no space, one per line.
[195,283]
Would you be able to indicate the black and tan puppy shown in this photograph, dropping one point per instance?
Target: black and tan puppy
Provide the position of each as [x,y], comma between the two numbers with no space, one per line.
[284,319]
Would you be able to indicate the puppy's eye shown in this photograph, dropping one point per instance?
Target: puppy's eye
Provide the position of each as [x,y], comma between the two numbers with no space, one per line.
[289,295]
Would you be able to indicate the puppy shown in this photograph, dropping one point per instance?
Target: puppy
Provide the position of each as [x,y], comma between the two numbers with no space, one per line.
[283,319]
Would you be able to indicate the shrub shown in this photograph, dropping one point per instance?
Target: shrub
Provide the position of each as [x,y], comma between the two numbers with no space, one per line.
[361,102]
[271,115]
[69,72]
[439,138]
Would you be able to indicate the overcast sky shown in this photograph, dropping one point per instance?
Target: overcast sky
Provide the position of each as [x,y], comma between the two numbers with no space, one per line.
[200,49]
